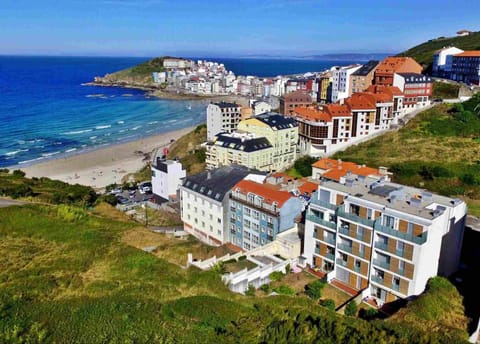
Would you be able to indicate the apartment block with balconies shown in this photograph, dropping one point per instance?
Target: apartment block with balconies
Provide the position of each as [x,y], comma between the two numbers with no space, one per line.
[380,238]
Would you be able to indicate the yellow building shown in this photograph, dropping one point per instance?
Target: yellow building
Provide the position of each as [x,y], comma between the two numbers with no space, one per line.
[239,149]
[280,131]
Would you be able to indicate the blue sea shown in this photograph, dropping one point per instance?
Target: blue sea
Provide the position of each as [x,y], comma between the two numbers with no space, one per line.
[46,113]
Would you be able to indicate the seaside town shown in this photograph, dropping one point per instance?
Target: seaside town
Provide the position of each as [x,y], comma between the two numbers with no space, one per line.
[347,223]
[254,218]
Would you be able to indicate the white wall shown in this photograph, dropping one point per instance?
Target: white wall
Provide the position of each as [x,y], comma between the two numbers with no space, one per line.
[165,184]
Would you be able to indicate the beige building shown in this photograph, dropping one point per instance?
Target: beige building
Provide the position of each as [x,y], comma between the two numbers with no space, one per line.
[280,131]
[240,149]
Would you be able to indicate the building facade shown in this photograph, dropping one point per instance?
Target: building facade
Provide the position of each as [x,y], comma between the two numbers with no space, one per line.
[280,131]
[167,176]
[204,201]
[257,214]
[417,90]
[222,117]
[466,67]
[442,61]
[382,239]
[363,77]
[386,69]
[324,88]
[290,101]
[341,82]
[240,149]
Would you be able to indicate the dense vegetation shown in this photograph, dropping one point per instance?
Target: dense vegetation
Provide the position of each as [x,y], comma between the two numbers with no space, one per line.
[423,53]
[65,276]
[445,90]
[44,190]
[140,74]
[188,150]
[438,150]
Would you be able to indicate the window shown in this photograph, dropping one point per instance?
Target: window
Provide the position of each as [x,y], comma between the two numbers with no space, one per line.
[388,221]
[263,229]
[355,209]
[219,220]
[370,214]
[246,223]
[247,211]
[410,228]
[211,228]
[357,264]
[400,247]
[401,265]
[195,210]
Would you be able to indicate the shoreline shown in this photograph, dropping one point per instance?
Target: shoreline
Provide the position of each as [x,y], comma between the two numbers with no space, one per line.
[154,92]
[103,166]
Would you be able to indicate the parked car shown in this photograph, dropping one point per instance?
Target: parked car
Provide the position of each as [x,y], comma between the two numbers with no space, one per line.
[116,191]
[145,187]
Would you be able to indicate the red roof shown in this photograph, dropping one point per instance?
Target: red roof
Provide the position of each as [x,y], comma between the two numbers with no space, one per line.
[269,195]
[337,110]
[311,114]
[337,169]
[361,101]
[307,188]
[469,53]
[391,90]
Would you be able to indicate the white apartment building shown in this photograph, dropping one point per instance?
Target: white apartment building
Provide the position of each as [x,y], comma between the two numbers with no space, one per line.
[379,238]
[442,61]
[222,117]
[341,81]
[167,176]
[204,201]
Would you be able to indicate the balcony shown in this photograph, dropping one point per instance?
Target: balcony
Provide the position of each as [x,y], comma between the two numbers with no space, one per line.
[356,268]
[382,264]
[341,262]
[366,222]
[377,279]
[401,235]
[396,287]
[317,250]
[381,246]
[317,219]
[330,256]
[344,231]
[346,248]
[323,204]
[329,240]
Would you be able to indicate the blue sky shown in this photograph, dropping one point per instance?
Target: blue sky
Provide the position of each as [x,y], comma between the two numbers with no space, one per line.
[226,28]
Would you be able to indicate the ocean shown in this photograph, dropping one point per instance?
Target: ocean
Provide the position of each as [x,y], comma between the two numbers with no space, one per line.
[46,113]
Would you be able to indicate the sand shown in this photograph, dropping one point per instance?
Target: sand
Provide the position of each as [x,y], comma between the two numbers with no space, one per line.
[101,167]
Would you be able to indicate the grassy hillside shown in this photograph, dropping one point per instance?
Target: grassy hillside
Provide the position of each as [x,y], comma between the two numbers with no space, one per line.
[67,275]
[423,53]
[140,74]
[445,90]
[187,150]
[438,150]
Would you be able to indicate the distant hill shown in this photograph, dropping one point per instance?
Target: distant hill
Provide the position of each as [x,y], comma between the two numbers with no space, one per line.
[349,57]
[423,53]
[139,75]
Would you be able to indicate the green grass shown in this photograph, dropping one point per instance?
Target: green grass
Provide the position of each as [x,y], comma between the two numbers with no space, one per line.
[437,150]
[67,276]
[445,90]
[423,53]
[187,150]
[139,74]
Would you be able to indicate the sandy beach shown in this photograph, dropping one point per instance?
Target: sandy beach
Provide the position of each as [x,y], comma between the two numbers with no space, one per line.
[103,166]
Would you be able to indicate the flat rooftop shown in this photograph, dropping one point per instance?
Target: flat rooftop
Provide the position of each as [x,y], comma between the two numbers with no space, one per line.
[407,199]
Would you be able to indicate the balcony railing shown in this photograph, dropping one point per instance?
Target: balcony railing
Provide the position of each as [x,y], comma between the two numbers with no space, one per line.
[344,231]
[341,262]
[356,268]
[317,250]
[342,213]
[330,256]
[323,204]
[405,236]
[395,287]
[381,246]
[382,264]
[317,219]
[329,240]
[377,279]
[344,247]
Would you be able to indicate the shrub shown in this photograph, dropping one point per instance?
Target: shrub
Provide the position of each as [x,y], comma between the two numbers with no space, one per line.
[110,199]
[314,289]
[19,173]
[265,288]
[242,258]
[276,276]
[351,309]
[284,290]
[250,290]
[70,214]
[329,304]
[368,314]
[304,165]
[4,170]
[219,268]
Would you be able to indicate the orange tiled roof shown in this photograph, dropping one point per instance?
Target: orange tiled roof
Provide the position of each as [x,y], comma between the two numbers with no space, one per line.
[337,110]
[307,188]
[360,101]
[337,169]
[311,114]
[392,64]
[469,53]
[390,90]
[269,195]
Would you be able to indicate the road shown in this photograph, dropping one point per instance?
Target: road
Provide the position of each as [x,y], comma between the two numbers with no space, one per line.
[8,202]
